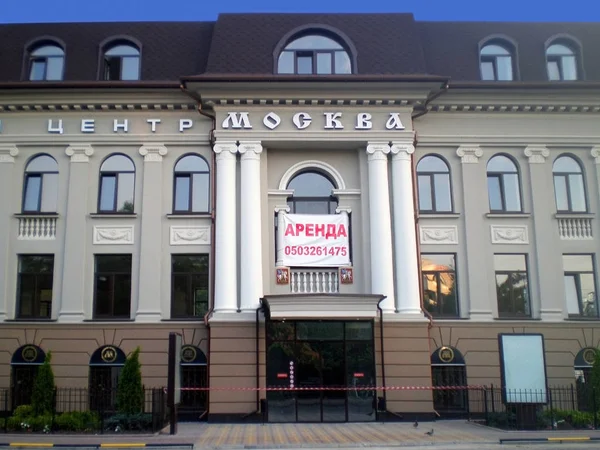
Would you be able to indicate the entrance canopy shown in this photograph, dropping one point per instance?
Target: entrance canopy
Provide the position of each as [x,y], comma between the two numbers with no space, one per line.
[330,306]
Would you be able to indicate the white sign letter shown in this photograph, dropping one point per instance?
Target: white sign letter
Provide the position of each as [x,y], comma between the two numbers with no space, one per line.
[332,121]
[302,120]
[123,126]
[394,122]
[272,120]
[153,123]
[185,124]
[363,121]
[88,125]
[55,129]
[236,122]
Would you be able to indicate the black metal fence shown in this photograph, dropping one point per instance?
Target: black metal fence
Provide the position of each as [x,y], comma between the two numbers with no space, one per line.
[86,411]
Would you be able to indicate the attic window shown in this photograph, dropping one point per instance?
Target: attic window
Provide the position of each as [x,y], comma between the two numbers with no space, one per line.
[46,63]
[121,62]
[561,62]
[496,62]
[314,55]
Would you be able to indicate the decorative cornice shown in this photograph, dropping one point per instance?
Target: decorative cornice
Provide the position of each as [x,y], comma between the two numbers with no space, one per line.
[537,154]
[54,107]
[469,154]
[153,152]
[513,107]
[79,153]
[402,151]
[595,152]
[8,153]
[311,101]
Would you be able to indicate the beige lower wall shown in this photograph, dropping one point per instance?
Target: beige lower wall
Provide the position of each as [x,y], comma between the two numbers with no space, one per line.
[73,345]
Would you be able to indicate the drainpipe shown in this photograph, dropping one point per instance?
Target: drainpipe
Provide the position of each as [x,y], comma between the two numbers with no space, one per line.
[382,352]
[431,97]
[258,355]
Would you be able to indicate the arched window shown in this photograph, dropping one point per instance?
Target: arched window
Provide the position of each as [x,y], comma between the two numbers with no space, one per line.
[194,374]
[448,369]
[561,62]
[314,54]
[569,187]
[312,194]
[496,62]
[46,63]
[584,361]
[106,364]
[434,185]
[192,191]
[117,181]
[504,187]
[121,61]
[24,366]
[41,185]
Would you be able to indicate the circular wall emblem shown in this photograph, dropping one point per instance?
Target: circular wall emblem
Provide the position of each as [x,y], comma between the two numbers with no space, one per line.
[29,353]
[446,354]
[188,353]
[589,355]
[109,354]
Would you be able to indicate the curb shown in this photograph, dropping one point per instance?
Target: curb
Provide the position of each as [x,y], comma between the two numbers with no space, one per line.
[551,439]
[105,445]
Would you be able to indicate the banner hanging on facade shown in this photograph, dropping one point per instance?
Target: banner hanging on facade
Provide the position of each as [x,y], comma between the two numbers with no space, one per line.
[313,240]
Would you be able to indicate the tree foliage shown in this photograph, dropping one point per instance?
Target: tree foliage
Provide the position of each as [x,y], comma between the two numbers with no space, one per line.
[595,379]
[42,399]
[130,392]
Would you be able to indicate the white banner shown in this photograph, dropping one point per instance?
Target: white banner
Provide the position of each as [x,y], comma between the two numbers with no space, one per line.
[313,240]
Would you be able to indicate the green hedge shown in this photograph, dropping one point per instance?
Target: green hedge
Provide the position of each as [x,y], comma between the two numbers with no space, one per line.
[23,419]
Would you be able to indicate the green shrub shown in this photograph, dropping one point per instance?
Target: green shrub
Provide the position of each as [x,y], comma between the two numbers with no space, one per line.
[23,411]
[570,418]
[42,398]
[78,421]
[130,392]
[129,422]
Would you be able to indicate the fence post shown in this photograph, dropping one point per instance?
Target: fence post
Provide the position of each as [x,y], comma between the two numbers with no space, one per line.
[594,407]
[101,410]
[492,394]
[551,409]
[54,397]
[485,405]
[572,398]
[6,409]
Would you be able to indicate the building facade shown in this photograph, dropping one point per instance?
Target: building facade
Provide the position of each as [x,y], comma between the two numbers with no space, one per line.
[311,201]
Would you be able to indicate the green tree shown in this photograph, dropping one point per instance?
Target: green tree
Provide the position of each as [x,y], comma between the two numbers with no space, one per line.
[42,398]
[130,393]
[595,379]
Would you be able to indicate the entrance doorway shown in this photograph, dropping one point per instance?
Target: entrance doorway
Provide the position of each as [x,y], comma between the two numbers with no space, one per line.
[332,360]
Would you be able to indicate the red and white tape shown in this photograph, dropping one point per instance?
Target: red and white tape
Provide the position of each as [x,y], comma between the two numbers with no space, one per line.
[336,388]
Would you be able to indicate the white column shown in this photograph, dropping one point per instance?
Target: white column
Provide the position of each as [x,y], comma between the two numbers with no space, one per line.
[7,159]
[75,301]
[408,300]
[382,269]
[225,296]
[251,277]
[149,287]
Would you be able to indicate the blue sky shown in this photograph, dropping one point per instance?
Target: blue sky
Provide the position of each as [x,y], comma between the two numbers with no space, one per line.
[20,11]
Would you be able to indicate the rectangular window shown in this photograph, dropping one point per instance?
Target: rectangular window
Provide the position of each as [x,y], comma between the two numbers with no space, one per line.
[182,193]
[112,287]
[304,63]
[580,285]
[439,284]
[36,273]
[560,189]
[38,69]
[487,71]
[33,189]
[425,193]
[189,285]
[512,285]
[443,201]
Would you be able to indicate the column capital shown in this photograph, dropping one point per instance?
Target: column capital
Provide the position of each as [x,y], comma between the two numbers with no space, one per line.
[469,154]
[377,150]
[225,150]
[595,152]
[537,154]
[153,152]
[8,153]
[250,149]
[402,150]
[79,153]
[284,209]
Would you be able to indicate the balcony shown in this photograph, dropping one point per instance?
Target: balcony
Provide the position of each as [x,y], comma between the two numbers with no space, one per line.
[314,281]
[575,227]
[37,228]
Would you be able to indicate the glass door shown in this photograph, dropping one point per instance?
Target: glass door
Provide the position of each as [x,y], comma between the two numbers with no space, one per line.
[309,374]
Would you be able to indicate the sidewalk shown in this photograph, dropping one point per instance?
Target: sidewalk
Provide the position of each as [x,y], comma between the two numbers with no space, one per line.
[223,436]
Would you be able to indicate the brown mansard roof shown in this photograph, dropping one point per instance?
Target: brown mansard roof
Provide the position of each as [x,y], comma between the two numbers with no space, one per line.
[243,44]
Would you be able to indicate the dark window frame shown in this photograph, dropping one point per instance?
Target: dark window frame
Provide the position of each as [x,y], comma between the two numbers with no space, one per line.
[190,301]
[500,175]
[558,59]
[437,274]
[114,173]
[431,175]
[36,300]
[40,193]
[35,44]
[577,277]
[110,43]
[313,54]
[565,176]
[190,176]
[112,276]
[506,43]
[44,60]
[293,199]
[512,314]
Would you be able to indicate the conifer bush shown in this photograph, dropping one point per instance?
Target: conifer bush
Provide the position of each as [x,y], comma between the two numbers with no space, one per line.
[42,398]
[130,392]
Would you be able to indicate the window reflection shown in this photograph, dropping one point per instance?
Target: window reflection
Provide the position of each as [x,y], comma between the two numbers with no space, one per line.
[512,287]
[122,62]
[561,63]
[41,185]
[433,180]
[496,63]
[439,284]
[192,190]
[46,63]
[569,188]
[314,54]
[313,194]
[117,185]
[580,285]
[504,190]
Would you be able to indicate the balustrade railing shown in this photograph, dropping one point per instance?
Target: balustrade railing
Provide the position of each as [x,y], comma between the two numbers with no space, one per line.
[37,228]
[575,228]
[314,281]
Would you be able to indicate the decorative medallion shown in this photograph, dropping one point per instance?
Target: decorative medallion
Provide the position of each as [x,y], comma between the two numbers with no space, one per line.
[446,354]
[109,354]
[589,355]
[346,275]
[188,353]
[29,353]
[282,275]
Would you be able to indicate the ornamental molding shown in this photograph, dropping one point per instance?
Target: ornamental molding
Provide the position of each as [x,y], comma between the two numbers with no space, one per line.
[514,107]
[469,154]
[79,153]
[310,101]
[113,235]
[153,152]
[311,164]
[438,234]
[8,153]
[537,154]
[110,106]
[515,234]
[595,152]
[189,235]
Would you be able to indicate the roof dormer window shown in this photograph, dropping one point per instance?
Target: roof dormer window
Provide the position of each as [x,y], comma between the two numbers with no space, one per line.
[314,54]
[496,62]
[561,62]
[46,63]
[121,62]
